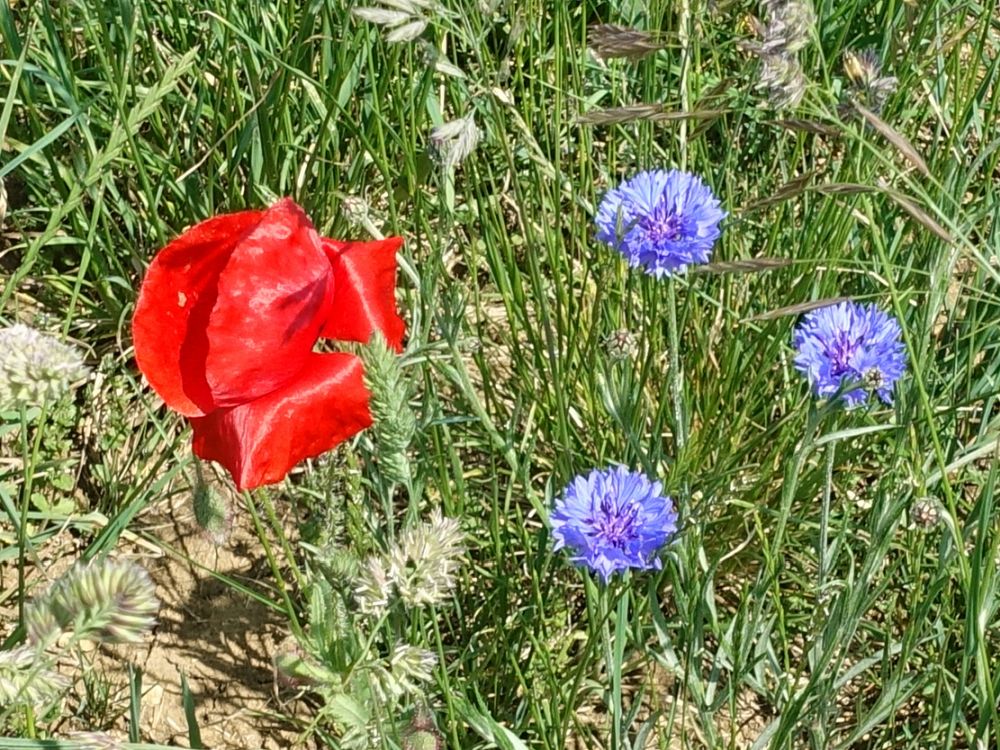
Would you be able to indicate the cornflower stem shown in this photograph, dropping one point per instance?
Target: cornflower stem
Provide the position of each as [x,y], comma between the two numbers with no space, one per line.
[775,539]
[29,460]
[824,519]
[613,596]
[676,376]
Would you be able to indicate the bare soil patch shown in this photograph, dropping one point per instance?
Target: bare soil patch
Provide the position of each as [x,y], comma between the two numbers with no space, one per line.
[223,640]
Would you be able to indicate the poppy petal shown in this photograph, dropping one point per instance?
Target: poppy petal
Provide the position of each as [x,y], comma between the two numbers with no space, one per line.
[273,296]
[174,305]
[260,441]
[365,291]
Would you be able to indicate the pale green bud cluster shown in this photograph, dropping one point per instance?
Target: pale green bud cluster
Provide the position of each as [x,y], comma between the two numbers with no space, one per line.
[420,567]
[407,668]
[35,368]
[108,600]
[27,680]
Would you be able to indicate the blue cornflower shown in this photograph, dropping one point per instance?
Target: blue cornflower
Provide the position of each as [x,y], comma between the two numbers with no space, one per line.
[850,342]
[661,221]
[612,520]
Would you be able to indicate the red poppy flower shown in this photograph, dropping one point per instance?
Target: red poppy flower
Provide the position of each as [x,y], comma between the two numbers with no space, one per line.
[226,322]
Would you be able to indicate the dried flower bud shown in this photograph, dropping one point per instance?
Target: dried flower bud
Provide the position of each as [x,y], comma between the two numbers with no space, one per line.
[620,345]
[925,513]
[36,368]
[113,601]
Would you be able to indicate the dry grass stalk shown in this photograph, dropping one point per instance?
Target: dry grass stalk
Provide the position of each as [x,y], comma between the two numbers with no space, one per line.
[644,112]
[753,265]
[798,309]
[895,138]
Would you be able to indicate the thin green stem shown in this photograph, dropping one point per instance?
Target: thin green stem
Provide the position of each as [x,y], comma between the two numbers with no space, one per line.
[676,376]
[824,518]
[29,461]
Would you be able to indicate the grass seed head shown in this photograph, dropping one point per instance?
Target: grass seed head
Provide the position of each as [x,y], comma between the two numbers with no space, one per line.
[610,41]
[789,23]
[373,587]
[394,423]
[868,85]
[404,673]
[783,80]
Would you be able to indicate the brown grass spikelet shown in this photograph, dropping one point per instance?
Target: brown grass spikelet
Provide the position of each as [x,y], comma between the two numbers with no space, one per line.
[611,41]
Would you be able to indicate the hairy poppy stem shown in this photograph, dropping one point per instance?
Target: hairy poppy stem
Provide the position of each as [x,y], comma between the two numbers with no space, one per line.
[275,568]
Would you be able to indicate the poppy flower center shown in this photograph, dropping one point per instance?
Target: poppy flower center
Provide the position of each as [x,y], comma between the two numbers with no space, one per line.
[615,525]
